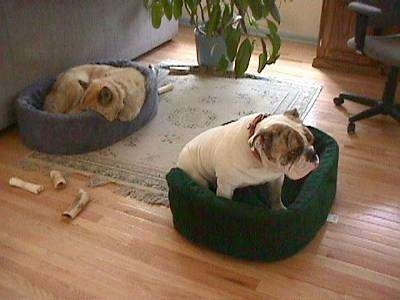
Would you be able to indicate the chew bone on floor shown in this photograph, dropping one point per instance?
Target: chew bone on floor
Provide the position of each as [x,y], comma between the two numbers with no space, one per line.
[81,200]
[184,70]
[25,185]
[58,179]
[165,88]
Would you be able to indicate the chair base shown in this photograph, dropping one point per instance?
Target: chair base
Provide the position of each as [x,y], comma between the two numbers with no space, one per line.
[377,107]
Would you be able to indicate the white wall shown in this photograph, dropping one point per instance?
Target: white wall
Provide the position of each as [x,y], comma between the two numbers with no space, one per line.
[300,19]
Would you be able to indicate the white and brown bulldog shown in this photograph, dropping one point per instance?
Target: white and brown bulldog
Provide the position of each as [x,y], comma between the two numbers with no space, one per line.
[253,150]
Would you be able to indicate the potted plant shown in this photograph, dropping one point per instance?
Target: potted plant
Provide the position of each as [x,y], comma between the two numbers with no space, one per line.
[219,26]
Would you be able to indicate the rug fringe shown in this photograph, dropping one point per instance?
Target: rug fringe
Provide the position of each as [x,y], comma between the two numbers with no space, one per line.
[147,195]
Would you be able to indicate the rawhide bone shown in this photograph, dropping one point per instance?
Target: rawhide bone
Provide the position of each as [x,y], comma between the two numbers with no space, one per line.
[58,179]
[165,88]
[25,185]
[81,200]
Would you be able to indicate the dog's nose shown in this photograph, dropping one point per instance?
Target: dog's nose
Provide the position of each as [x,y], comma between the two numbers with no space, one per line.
[311,156]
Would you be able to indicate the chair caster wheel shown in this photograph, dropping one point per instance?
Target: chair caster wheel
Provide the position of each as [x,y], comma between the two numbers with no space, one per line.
[338,101]
[351,128]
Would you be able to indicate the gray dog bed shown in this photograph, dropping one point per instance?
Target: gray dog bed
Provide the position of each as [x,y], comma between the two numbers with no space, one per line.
[72,134]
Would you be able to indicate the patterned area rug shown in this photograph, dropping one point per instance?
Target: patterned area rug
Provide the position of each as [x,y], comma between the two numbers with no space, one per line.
[198,102]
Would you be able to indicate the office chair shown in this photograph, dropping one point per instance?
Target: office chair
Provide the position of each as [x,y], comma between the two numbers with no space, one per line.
[385,49]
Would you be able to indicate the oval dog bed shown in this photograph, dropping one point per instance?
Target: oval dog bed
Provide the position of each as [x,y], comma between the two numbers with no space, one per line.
[87,131]
[246,227]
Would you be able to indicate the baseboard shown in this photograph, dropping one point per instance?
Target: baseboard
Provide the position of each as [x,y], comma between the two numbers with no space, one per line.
[286,36]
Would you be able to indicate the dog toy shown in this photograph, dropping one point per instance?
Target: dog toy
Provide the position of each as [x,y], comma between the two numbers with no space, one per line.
[58,179]
[25,185]
[82,199]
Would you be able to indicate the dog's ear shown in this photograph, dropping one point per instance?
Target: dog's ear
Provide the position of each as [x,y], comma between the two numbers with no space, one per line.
[293,113]
[267,134]
[83,84]
[105,96]
[252,128]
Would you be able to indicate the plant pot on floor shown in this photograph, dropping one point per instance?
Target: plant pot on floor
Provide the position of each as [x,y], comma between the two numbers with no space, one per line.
[209,49]
[225,20]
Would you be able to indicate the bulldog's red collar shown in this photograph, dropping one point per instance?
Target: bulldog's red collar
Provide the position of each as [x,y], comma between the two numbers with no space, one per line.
[252,128]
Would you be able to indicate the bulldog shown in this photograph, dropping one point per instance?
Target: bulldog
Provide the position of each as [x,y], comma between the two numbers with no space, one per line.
[255,149]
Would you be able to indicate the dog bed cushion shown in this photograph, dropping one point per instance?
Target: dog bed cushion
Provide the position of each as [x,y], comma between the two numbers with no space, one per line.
[56,133]
[246,227]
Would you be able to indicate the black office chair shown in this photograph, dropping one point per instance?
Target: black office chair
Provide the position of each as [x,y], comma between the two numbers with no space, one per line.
[385,49]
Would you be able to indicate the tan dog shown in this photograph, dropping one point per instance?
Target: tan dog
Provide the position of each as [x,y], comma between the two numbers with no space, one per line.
[120,95]
[115,93]
[253,150]
[67,91]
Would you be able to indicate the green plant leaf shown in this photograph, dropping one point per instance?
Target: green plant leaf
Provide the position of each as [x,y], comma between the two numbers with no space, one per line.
[274,11]
[243,57]
[192,5]
[273,29]
[226,16]
[262,61]
[242,4]
[265,8]
[177,8]
[256,7]
[275,41]
[214,19]
[167,6]
[253,22]
[223,64]
[156,14]
[276,45]
[232,38]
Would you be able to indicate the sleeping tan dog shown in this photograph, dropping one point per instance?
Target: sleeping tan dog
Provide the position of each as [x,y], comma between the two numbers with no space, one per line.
[115,93]
[253,150]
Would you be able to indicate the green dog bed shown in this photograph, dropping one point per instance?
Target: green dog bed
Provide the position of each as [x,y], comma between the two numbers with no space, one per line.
[246,227]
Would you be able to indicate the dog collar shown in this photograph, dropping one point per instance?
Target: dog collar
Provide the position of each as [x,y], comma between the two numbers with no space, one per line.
[252,128]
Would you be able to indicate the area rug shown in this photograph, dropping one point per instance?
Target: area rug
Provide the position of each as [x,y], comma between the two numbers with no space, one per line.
[198,102]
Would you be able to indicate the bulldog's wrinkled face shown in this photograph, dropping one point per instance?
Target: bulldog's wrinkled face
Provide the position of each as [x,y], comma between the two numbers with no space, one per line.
[102,97]
[287,143]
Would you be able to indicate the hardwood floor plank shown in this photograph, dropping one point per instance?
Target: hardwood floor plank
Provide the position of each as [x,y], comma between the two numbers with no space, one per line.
[108,267]
[296,289]
[9,292]
[24,284]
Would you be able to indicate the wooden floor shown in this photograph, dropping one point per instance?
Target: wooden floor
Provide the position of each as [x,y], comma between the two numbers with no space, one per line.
[120,248]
